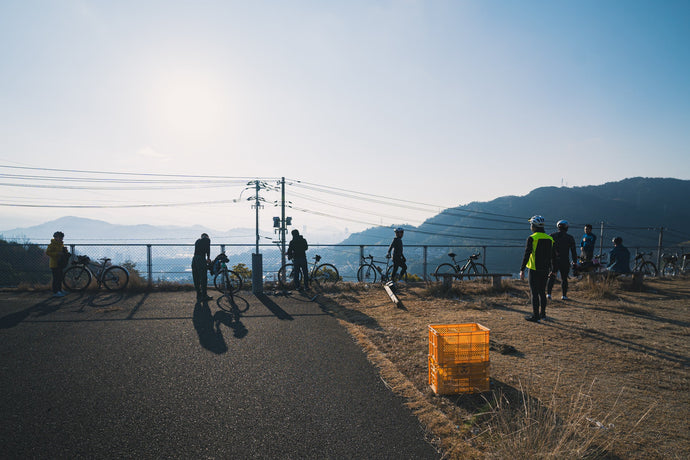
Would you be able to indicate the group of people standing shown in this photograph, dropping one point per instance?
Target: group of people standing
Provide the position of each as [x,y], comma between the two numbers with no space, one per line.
[546,256]
[297,253]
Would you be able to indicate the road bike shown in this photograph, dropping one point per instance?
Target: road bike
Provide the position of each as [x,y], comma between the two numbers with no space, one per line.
[82,270]
[643,266]
[321,274]
[469,268]
[369,272]
[669,265]
[225,280]
[674,265]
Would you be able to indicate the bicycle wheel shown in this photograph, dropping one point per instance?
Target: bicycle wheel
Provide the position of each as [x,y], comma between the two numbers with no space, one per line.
[478,269]
[669,270]
[76,278]
[230,278]
[444,269]
[285,277]
[366,274]
[648,269]
[389,275]
[115,278]
[325,274]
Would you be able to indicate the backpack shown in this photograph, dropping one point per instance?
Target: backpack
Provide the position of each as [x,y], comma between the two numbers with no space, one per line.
[63,261]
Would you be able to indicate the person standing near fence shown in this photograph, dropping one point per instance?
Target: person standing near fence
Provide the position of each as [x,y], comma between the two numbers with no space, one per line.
[587,244]
[539,257]
[58,257]
[200,261]
[297,252]
[396,247]
[565,247]
[619,257]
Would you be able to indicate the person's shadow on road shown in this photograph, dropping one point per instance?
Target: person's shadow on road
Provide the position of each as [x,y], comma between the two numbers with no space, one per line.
[209,337]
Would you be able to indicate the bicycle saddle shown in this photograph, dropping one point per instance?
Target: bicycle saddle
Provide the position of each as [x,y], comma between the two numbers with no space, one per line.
[452,255]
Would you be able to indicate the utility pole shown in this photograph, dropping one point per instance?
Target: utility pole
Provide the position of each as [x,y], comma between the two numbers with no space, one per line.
[257,205]
[281,223]
[283,228]
[601,240]
[257,260]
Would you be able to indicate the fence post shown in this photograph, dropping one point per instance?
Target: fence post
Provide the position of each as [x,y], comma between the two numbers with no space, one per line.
[658,254]
[149,264]
[484,255]
[426,249]
[361,253]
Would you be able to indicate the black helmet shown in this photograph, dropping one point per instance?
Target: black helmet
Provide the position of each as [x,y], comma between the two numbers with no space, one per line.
[617,240]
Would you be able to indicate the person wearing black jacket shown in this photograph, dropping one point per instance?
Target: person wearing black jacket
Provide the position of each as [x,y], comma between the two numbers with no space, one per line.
[539,257]
[297,252]
[564,245]
[200,261]
[396,247]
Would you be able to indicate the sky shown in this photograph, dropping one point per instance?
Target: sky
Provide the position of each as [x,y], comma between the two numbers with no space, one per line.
[375,112]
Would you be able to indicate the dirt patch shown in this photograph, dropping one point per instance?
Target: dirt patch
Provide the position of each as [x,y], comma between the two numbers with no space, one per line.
[612,361]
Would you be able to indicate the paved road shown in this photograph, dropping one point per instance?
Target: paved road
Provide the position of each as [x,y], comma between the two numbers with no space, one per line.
[154,376]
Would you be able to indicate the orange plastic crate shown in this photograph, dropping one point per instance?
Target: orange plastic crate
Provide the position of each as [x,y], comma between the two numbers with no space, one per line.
[458,378]
[458,343]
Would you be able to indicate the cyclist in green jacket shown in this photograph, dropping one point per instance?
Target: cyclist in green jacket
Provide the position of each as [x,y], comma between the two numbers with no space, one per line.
[540,258]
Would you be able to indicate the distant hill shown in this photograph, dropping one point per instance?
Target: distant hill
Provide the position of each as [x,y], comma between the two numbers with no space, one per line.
[81,230]
[635,208]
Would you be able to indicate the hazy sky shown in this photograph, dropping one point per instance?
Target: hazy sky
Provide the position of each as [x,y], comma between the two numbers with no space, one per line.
[438,102]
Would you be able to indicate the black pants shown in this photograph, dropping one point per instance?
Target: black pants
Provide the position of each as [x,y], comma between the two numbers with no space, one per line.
[537,287]
[299,271]
[564,271]
[398,262]
[200,276]
[57,279]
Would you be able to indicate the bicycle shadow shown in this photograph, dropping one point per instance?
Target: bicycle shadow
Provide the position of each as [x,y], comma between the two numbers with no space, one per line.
[230,315]
[97,299]
[210,337]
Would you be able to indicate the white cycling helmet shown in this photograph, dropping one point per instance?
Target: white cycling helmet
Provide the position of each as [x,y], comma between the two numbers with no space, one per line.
[562,223]
[537,221]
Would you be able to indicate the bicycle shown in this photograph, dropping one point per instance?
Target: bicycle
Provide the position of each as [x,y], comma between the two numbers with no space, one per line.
[321,274]
[82,270]
[470,267]
[669,267]
[369,272]
[643,266]
[592,268]
[225,280]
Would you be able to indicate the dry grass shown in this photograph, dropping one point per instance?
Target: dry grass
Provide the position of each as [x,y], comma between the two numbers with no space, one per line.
[605,377]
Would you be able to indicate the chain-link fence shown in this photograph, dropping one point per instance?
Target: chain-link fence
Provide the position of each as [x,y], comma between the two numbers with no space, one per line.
[26,264]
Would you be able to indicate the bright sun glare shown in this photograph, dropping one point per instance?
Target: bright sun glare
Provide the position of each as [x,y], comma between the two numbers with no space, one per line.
[190,103]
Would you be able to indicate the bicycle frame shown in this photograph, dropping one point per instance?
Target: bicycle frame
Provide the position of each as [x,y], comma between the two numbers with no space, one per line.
[96,269]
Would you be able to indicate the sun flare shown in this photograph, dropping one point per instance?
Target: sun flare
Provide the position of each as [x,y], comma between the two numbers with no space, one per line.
[191,103]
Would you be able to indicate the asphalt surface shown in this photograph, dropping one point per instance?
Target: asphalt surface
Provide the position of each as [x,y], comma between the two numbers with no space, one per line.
[152,375]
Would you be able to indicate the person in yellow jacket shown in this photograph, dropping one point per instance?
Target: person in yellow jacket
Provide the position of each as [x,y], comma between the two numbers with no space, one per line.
[55,252]
[540,259]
